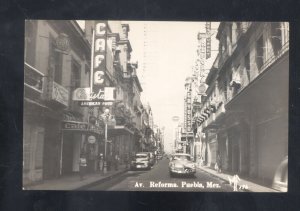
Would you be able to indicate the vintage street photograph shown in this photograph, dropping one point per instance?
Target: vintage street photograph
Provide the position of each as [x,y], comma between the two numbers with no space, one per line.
[172,106]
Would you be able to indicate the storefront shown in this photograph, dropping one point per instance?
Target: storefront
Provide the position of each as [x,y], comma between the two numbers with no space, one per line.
[122,142]
[33,141]
[78,138]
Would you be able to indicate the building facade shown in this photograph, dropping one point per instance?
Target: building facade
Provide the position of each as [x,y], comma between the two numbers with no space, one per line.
[245,113]
[55,64]
[58,128]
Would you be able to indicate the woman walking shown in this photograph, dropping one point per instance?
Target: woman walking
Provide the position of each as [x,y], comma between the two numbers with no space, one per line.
[82,165]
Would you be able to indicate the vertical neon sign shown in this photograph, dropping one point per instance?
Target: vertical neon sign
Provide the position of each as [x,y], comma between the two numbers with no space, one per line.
[98,65]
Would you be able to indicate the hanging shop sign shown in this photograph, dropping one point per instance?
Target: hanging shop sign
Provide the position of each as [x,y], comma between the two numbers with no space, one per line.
[202,89]
[81,94]
[96,129]
[98,58]
[72,125]
[208,39]
[62,43]
[188,109]
[91,103]
[103,94]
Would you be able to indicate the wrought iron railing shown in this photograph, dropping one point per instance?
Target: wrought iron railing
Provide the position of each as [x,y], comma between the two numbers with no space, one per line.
[272,57]
[33,78]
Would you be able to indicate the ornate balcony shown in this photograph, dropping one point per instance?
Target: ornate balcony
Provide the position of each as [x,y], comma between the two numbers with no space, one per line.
[58,94]
[33,79]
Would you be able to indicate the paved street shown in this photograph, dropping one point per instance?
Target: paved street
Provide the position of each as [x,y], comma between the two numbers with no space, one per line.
[158,179]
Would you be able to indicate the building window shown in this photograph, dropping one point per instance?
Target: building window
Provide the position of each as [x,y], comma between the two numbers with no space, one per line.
[259,53]
[75,75]
[276,37]
[225,88]
[239,28]
[87,71]
[285,32]
[57,59]
[225,42]
[30,42]
[230,33]
[75,80]
[247,66]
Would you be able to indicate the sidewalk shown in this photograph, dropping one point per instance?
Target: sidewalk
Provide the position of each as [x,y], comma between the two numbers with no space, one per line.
[252,187]
[73,182]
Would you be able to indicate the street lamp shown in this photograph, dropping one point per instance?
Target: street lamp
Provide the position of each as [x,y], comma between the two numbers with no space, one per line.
[106,118]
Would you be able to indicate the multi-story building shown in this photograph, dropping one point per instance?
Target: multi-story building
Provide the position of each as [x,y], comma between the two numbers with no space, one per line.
[147,142]
[187,137]
[55,127]
[127,109]
[245,112]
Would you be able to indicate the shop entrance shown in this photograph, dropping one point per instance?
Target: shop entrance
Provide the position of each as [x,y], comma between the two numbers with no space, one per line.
[71,152]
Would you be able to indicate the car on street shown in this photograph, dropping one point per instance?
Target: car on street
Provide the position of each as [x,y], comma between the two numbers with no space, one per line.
[182,164]
[281,176]
[141,160]
[159,156]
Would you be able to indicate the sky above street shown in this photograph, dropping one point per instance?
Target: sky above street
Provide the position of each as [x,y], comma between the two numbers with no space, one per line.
[166,52]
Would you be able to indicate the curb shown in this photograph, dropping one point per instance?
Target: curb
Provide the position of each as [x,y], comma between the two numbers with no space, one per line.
[227,181]
[244,190]
[104,179]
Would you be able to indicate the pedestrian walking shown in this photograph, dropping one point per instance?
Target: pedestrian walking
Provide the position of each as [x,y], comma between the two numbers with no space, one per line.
[116,161]
[101,162]
[219,163]
[126,159]
[109,161]
[201,161]
[82,166]
[235,180]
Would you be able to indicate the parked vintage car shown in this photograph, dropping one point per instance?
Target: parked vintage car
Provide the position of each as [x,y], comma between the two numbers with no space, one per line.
[181,164]
[280,180]
[141,160]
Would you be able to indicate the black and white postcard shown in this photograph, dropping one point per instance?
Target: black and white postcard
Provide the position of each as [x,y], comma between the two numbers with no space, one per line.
[155,106]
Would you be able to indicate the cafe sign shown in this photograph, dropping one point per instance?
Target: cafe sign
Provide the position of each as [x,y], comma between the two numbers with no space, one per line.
[98,57]
[81,127]
[72,125]
[106,94]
